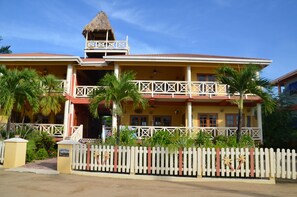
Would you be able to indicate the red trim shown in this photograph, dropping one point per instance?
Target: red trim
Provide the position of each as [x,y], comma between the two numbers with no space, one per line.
[115,163]
[252,162]
[88,156]
[180,162]
[218,167]
[70,124]
[149,162]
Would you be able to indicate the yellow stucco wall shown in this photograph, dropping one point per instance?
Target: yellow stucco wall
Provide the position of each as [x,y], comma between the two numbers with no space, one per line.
[179,117]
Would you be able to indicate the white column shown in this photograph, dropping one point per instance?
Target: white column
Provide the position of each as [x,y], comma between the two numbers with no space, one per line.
[114,117]
[189,114]
[66,112]
[86,44]
[116,70]
[68,77]
[259,118]
[189,76]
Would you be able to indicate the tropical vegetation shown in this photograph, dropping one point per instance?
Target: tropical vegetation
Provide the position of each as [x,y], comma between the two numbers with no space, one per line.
[280,127]
[21,90]
[244,81]
[115,92]
[4,49]
[163,138]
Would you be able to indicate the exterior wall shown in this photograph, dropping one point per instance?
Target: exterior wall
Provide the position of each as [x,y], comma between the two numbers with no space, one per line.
[175,112]
[161,73]
[178,117]
[221,111]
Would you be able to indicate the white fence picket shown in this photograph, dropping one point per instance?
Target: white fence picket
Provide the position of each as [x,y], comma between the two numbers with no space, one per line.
[294,164]
[2,147]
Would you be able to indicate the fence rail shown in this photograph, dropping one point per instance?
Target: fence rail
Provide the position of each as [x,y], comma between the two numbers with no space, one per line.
[2,146]
[193,162]
[55,130]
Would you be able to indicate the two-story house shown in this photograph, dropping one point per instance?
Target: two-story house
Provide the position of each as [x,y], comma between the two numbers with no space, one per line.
[181,89]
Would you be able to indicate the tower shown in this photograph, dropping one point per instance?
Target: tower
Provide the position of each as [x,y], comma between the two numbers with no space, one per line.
[100,39]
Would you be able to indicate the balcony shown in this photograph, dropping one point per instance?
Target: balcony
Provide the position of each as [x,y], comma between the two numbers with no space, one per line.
[169,88]
[119,45]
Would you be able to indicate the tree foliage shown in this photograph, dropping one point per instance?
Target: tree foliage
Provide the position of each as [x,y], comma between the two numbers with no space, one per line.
[17,89]
[4,49]
[52,97]
[245,81]
[20,89]
[116,91]
[279,127]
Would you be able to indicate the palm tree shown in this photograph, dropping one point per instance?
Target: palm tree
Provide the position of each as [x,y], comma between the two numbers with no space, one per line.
[117,91]
[245,81]
[4,49]
[52,97]
[17,89]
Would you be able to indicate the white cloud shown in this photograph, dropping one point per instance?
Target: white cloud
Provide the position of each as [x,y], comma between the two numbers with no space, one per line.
[31,32]
[125,11]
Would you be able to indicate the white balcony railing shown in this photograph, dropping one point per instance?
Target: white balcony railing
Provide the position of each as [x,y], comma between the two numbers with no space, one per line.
[149,131]
[55,130]
[84,91]
[63,86]
[171,88]
[107,45]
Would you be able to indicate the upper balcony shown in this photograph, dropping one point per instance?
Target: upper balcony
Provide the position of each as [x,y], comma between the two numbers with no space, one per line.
[107,46]
[172,89]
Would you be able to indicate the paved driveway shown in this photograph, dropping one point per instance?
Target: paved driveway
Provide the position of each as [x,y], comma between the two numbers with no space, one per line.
[30,184]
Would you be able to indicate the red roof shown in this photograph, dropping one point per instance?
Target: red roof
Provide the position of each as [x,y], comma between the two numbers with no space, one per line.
[284,78]
[32,54]
[191,55]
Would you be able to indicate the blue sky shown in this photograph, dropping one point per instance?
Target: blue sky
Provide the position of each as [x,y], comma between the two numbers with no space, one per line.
[244,28]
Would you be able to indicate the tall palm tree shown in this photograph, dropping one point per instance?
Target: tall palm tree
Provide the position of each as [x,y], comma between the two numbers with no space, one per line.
[52,97]
[17,89]
[245,81]
[117,91]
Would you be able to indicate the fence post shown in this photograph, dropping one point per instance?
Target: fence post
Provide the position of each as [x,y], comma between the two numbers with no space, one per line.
[132,164]
[15,152]
[64,156]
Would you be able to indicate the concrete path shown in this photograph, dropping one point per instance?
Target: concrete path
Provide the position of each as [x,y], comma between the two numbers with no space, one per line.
[30,184]
[48,166]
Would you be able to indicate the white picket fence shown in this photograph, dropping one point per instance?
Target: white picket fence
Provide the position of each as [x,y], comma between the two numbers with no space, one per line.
[2,146]
[193,162]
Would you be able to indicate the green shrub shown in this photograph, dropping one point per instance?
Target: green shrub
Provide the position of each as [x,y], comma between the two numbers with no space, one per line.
[231,142]
[127,137]
[161,138]
[204,139]
[30,153]
[246,141]
[42,154]
[45,141]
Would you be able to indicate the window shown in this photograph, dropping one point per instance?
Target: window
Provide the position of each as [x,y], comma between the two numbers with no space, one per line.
[139,120]
[206,77]
[208,120]
[232,119]
[248,121]
[162,121]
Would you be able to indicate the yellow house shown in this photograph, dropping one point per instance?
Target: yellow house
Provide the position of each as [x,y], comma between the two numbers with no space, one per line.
[181,89]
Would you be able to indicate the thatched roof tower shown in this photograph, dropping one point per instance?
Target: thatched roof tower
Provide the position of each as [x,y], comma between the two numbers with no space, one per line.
[99,28]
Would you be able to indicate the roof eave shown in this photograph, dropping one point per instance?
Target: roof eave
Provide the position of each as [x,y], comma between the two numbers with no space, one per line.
[262,62]
[42,58]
